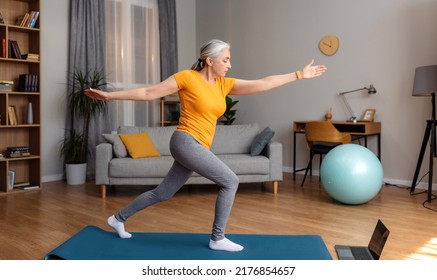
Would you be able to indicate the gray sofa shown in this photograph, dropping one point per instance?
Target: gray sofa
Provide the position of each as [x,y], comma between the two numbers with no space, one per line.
[232,144]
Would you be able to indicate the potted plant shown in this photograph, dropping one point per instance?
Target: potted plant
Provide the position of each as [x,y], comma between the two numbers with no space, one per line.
[74,147]
[229,115]
[75,167]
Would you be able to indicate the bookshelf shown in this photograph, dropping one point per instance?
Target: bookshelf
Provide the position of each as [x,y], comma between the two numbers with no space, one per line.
[170,112]
[16,68]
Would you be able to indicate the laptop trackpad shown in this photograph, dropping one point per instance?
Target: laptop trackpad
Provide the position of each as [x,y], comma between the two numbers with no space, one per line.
[344,253]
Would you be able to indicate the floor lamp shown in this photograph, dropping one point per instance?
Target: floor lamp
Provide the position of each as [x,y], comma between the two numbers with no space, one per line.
[425,84]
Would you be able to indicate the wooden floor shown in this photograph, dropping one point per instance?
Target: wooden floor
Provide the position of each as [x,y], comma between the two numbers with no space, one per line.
[35,222]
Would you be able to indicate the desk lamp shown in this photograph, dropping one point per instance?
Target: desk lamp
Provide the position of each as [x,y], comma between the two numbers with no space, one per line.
[425,84]
[370,90]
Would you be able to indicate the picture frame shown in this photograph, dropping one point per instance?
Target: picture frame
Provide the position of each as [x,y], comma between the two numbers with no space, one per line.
[368,115]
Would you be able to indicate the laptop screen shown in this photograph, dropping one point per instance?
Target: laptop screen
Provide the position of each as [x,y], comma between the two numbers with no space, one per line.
[377,242]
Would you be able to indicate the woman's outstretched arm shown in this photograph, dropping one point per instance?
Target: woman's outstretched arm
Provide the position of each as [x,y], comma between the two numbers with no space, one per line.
[164,88]
[242,87]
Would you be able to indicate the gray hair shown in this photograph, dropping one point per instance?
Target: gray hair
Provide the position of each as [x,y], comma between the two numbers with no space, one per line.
[211,49]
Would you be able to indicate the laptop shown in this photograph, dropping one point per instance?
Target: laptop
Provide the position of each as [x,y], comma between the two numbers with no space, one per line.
[371,252]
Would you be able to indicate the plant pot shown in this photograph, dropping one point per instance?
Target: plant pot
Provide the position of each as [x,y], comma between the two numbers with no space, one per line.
[76,173]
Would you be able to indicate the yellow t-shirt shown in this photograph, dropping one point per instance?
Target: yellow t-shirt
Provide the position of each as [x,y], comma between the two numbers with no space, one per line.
[201,104]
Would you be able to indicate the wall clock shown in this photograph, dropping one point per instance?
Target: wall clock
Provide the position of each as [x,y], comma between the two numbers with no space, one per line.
[329,44]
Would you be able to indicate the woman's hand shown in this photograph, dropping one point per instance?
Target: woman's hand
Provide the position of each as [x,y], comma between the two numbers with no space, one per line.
[96,94]
[311,71]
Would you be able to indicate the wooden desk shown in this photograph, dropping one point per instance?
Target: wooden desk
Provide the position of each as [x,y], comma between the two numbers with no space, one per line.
[357,131]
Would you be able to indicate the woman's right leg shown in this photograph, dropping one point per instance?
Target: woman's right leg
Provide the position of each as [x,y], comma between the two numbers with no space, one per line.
[173,181]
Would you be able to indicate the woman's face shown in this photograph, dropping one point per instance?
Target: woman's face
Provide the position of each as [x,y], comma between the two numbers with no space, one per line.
[221,65]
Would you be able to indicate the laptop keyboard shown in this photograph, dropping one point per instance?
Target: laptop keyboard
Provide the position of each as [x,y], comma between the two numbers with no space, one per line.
[360,253]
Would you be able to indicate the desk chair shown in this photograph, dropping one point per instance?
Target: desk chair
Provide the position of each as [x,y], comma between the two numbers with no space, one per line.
[321,137]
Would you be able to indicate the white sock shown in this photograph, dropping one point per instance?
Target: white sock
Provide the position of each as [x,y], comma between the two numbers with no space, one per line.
[225,245]
[119,227]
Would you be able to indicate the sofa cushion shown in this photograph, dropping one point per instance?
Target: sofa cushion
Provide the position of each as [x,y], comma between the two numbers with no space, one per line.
[234,139]
[261,140]
[160,136]
[156,167]
[228,139]
[118,147]
[246,164]
[139,145]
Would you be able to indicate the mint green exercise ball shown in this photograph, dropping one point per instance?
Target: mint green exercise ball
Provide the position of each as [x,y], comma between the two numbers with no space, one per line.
[351,174]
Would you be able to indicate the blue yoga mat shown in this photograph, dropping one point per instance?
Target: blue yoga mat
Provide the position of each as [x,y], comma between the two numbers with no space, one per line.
[93,243]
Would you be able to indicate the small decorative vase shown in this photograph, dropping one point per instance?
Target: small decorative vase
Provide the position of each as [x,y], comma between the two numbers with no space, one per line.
[30,113]
[328,116]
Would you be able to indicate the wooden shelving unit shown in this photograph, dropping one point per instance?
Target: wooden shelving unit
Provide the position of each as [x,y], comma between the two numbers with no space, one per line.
[28,168]
[170,112]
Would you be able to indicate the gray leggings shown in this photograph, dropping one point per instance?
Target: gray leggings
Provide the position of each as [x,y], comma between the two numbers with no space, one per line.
[191,156]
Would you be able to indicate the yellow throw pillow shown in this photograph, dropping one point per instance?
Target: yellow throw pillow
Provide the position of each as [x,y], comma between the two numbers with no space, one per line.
[139,145]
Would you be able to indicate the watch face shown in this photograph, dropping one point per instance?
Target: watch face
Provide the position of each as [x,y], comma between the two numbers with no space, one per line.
[329,44]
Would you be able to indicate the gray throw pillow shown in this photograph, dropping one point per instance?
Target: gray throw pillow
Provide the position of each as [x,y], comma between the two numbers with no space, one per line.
[261,140]
[117,145]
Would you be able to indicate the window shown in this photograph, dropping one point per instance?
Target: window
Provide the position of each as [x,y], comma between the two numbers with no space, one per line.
[132,55]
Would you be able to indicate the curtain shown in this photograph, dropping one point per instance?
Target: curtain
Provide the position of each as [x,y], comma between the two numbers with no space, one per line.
[168,38]
[134,43]
[87,53]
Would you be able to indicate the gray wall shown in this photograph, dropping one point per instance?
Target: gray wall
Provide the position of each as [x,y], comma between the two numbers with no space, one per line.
[381,42]
[186,21]
[54,34]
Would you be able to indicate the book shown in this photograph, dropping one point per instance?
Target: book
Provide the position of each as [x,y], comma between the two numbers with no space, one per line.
[11,53]
[8,45]
[29,19]
[30,56]
[33,19]
[11,179]
[34,83]
[21,184]
[12,115]
[17,150]
[30,187]
[18,155]
[14,49]
[28,83]
[17,49]
[21,19]
[5,87]
[25,82]
[3,48]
